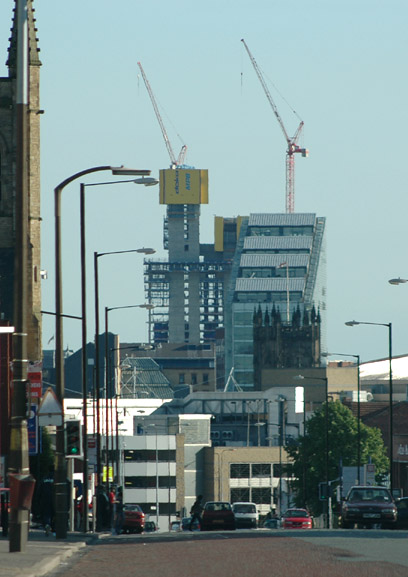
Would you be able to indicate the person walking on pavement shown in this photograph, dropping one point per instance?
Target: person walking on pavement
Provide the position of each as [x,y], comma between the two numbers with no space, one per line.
[196,511]
[120,516]
[46,502]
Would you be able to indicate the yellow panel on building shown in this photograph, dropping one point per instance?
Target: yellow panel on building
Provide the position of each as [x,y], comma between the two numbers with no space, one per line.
[218,233]
[183,186]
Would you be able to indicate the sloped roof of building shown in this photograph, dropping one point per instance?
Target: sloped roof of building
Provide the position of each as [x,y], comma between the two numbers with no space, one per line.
[142,377]
[269,284]
[273,260]
[282,219]
[380,370]
[278,242]
[33,50]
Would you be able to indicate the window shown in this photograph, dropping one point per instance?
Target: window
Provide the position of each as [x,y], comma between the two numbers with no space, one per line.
[261,470]
[193,378]
[261,496]
[239,471]
[205,378]
[182,379]
[240,495]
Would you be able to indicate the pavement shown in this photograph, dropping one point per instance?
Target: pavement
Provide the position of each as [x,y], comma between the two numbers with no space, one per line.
[43,554]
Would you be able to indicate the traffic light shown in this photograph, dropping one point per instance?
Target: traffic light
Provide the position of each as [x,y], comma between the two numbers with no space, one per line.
[73,439]
[323,493]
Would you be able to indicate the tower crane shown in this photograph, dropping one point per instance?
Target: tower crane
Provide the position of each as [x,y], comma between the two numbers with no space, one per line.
[181,157]
[293,147]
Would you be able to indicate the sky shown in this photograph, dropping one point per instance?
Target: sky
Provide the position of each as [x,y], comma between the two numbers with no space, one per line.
[340,65]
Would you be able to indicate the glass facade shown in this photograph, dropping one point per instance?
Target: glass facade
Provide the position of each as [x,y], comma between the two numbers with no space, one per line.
[286,271]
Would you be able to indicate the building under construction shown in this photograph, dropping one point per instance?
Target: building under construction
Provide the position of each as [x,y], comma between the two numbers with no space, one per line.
[188,289]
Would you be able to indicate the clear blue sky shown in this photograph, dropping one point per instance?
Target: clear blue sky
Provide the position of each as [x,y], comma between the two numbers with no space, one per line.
[341,66]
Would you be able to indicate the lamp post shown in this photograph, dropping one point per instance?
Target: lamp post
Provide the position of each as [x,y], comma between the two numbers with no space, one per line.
[60,469]
[107,376]
[326,420]
[157,474]
[98,255]
[358,409]
[391,420]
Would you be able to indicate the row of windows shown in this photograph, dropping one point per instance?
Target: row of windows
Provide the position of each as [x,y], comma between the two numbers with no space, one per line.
[166,482]
[259,495]
[281,231]
[193,379]
[256,470]
[267,297]
[147,455]
[257,272]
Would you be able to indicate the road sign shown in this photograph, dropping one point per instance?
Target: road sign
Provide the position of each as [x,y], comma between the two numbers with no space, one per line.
[50,410]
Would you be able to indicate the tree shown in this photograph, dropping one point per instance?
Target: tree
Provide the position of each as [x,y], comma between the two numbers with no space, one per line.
[309,455]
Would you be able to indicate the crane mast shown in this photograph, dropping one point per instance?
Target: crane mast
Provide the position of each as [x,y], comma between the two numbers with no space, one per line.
[174,162]
[292,146]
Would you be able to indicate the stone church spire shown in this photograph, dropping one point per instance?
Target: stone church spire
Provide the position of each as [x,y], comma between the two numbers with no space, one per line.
[33,50]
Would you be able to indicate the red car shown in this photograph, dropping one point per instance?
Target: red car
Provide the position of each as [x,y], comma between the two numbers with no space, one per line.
[217,515]
[296,519]
[134,519]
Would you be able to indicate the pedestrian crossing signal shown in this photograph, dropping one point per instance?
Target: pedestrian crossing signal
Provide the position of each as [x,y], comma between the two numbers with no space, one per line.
[73,439]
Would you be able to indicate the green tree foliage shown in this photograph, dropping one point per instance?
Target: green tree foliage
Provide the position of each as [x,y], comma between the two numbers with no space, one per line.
[309,455]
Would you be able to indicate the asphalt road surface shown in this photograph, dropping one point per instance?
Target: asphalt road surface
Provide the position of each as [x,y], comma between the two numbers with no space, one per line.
[315,553]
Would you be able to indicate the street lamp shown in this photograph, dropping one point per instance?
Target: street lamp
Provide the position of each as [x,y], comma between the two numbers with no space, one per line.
[60,469]
[157,474]
[97,255]
[147,306]
[326,418]
[391,421]
[358,408]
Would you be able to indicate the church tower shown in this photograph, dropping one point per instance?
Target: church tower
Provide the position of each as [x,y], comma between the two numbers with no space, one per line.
[8,155]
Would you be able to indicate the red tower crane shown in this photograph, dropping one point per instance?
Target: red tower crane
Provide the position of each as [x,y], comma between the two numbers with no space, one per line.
[174,162]
[293,147]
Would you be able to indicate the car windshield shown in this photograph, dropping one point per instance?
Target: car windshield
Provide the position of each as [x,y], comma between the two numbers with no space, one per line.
[296,513]
[244,508]
[378,495]
[218,507]
[129,507]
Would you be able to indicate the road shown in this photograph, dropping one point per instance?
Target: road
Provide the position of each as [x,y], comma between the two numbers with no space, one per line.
[315,553]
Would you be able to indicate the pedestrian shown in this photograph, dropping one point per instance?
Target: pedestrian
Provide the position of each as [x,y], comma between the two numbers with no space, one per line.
[102,509]
[120,516]
[46,502]
[112,507]
[196,511]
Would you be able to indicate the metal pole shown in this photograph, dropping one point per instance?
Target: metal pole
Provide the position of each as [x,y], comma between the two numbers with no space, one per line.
[106,399]
[18,459]
[84,365]
[358,422]
[391,420]
[97,372]
[326,382]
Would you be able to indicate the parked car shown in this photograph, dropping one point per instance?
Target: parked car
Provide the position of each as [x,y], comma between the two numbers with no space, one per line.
[366,506]
[185,524]
[150,527]
[134,521]
[175,526]
[246,514]
[296,519]
[217,515]
[402,516]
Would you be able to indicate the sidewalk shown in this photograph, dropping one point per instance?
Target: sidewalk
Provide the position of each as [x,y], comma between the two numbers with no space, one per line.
[43,554]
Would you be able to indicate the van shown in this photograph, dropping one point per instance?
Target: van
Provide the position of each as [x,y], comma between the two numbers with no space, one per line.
[246,515]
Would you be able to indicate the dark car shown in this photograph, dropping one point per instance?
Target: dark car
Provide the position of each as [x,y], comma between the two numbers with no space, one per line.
[402,517]
[366,506]
[296,519]
[217,515]
[134,521]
